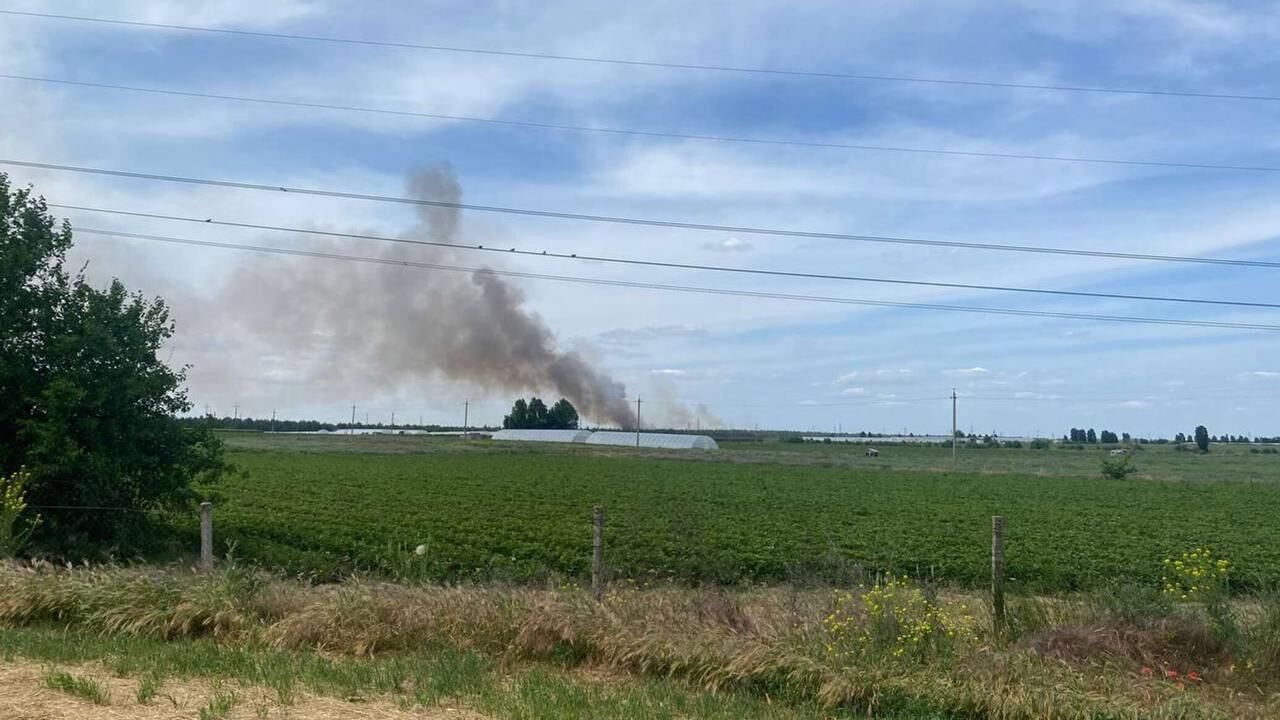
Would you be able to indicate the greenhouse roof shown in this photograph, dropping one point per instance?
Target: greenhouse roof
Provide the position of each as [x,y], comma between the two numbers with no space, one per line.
[671,441]
[558,436]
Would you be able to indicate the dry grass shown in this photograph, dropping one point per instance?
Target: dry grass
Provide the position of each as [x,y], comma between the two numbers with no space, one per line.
[1068,659]
[24,695]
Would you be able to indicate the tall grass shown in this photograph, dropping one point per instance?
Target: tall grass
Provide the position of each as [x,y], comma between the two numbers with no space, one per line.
[1096,655]
[81,687]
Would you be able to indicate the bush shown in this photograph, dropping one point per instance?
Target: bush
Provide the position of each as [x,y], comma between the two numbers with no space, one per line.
[1040,444]
[1196,575]
[896,619]
[1117,468]
[89,408]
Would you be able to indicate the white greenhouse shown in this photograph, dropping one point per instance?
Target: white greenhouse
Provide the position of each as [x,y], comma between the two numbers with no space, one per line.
[555,436]
[665,441]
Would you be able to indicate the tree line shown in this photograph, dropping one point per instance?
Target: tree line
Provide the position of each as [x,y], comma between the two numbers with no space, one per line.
[534,414]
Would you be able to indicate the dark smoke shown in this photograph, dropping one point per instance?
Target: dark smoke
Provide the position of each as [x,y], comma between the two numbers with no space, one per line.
[366,325]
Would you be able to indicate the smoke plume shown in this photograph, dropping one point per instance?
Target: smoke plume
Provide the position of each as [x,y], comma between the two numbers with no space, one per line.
[353,324]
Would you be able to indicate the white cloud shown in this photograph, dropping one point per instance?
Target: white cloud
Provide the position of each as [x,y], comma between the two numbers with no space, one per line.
[847,378]
[668,371]
[967,372]
[731,244]
[854,391]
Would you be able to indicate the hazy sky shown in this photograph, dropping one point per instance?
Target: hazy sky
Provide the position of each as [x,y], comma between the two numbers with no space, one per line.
[751,361]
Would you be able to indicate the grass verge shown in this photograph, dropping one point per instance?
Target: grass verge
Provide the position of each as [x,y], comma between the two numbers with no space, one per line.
[898,650]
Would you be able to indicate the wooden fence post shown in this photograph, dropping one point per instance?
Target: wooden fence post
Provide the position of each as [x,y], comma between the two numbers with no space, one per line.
[597,554]
[206,536]
[997,573]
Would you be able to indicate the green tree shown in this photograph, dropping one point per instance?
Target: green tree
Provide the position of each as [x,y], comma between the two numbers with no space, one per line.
[537,413]
[519,417]
[1202,438]
[1109,438]
[1091,436]
[89,410]
[534,414]
[563,416]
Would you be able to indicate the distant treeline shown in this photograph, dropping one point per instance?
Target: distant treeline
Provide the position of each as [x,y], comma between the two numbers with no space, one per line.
[1077,435]
[281,425]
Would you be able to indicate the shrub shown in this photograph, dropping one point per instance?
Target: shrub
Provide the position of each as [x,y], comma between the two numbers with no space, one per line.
[1118,468]
[1196,575]
[897,619]
[1040,444]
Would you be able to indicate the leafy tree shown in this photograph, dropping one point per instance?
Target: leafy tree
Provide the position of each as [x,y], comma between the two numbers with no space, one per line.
[1125,437]
[89,410]
[1091,436]
[534,414]
[519,417]
[1180,438]
[537,413]
[1202,438]
[563,415]
[1109,437]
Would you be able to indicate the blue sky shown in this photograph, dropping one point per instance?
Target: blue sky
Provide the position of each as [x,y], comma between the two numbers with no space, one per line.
[750,361]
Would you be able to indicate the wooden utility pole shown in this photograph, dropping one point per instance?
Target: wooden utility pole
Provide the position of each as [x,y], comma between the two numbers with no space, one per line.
[206,536]
[637,422]
[466,417]
[997,573]
[273,421]
[953,426]
[352,430]
[597,553]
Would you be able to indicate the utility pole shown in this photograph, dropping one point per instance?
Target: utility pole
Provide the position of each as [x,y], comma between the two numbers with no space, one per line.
[352,429]
[637,422]
[466,416]
[953,426]
[236,410]
[393,419]
[273,421]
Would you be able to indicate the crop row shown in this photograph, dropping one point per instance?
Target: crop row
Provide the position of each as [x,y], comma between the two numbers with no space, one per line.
[525,517]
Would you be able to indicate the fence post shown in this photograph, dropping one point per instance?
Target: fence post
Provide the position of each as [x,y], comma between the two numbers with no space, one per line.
[597,554]
[206,536]
[997,573]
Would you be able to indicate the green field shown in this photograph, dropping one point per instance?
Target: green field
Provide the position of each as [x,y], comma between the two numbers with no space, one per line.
[327,506]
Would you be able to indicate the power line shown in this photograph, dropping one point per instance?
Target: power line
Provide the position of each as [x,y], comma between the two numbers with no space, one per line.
[650,133]
[649,222]
[735,69]
[681,266]
[691,289]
